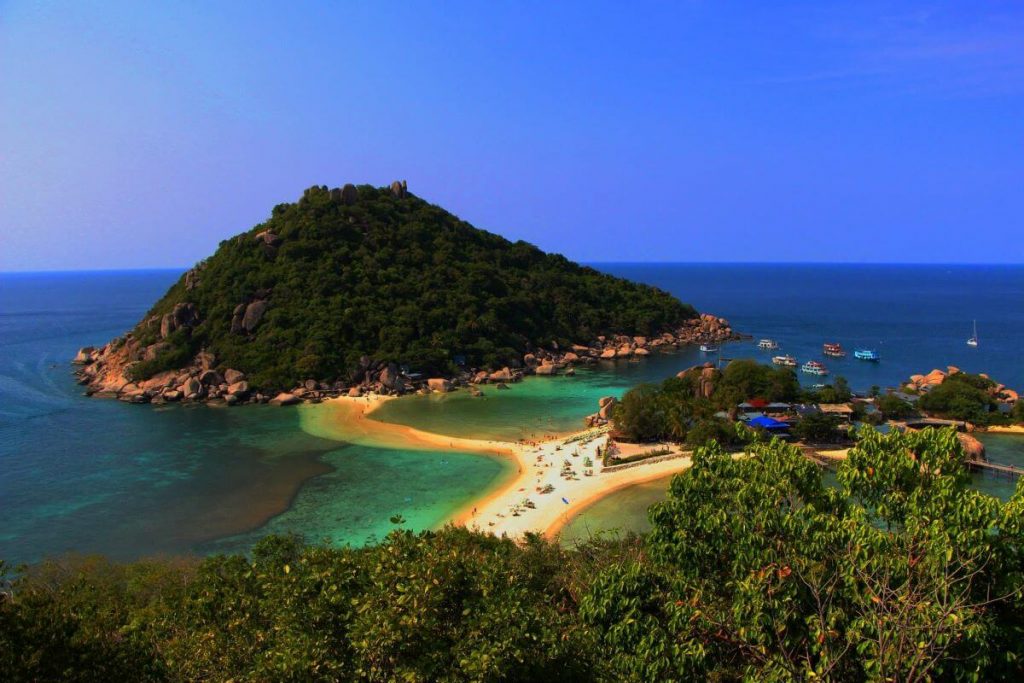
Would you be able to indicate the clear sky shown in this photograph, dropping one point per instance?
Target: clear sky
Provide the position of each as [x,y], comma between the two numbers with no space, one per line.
[141,134]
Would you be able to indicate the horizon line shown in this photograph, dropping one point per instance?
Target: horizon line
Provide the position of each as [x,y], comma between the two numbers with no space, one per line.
[997,264]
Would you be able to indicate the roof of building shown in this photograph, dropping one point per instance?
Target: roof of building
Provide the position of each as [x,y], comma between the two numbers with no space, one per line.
[835,408]
[766,422]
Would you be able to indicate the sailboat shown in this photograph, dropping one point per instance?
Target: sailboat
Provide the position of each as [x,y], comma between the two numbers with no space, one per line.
[973,341]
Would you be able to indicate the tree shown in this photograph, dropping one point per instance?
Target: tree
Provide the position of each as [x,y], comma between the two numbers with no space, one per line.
[894,408]
[817,428]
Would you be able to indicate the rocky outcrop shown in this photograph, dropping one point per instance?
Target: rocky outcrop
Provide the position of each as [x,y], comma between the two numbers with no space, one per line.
[348,194]
[973,448]
[704,378]
[184,315]
[285,399]
[253,315]
[399,188]
[439,385]
[605,407]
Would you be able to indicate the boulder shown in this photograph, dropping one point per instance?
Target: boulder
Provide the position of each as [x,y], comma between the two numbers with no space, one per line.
[192,388]
[974,449]
[238,389]
[231,399]
[624,351]
[546,369]
[268,238]
[172,395]
[578,348]
[934,378]
[355,392]
[640,341]
[253,315]
[284,399]
[211,378]
[503,375]
[570,357]
[205,360]
[641,352]
[84,355]
[349,194]
[390,378]
[439,384]
[501,385]
[608,353]
[480,377]
[399,189]
[605,413]
[530,360]
[311,385]
[233,376]
[154,350]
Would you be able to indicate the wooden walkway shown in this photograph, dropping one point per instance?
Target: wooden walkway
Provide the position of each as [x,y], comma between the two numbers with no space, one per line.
[1009,471]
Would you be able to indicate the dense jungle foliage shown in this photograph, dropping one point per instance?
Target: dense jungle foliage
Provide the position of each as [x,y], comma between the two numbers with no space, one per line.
[398,279]
[677,410]
[755,569]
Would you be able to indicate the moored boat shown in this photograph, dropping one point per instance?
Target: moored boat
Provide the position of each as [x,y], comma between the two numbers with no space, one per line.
[973,341]
[813,367]
[866,354]
[708,348]
[787,361]
[834,350]
[767,344]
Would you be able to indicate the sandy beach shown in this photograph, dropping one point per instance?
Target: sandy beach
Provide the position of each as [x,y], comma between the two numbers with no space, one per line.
[558,463]
[1006,429]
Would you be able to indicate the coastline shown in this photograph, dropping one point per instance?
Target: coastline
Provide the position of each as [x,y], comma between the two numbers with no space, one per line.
[537,464]
[1005,429]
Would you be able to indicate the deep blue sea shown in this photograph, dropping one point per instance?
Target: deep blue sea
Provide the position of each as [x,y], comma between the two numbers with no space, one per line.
[91,475]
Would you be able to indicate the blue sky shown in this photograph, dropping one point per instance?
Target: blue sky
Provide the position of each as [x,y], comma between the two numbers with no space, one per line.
[140,135]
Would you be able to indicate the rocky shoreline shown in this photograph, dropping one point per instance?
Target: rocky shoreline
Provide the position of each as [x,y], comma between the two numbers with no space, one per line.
[105,371]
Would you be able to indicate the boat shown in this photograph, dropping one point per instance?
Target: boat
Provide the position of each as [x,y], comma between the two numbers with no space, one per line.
[787,361]
[973,341]
[767,344]
[866,354]
[834,350]
[708,348]
[813,367]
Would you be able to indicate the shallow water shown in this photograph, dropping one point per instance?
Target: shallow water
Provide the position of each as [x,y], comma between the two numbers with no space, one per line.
[625,510]
[102,476]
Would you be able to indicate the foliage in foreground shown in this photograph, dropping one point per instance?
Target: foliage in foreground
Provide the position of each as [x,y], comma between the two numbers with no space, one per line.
[754,569]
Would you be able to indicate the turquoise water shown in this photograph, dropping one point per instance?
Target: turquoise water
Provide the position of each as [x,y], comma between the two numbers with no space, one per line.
[90,475]
[535,407]
[102,476]
[625,511]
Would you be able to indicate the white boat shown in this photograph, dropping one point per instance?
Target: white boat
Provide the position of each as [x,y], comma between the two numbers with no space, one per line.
[813,367]
[973,341]
[787,361]
[767,344]
[708,348]
[866,354]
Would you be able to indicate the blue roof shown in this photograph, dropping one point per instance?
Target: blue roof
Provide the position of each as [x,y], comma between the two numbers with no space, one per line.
[767,423]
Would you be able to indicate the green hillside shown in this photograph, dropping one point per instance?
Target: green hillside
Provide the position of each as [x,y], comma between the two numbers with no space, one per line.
[378,272]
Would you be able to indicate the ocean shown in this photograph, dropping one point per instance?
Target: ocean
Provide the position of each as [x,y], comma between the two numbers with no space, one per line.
[99,476]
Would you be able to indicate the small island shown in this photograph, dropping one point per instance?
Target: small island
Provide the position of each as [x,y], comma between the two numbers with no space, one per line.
[363,289]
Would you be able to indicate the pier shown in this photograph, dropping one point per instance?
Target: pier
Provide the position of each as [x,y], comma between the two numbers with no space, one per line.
[999,469]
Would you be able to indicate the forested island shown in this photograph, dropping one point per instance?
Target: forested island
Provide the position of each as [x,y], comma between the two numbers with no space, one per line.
[371,288]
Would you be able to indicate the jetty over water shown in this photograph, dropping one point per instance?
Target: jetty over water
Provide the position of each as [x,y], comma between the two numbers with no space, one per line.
[999,469]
